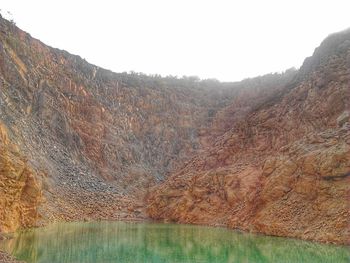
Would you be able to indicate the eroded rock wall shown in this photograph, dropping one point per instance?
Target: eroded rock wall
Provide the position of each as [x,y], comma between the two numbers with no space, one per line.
[269,154]
[284,168]
[97,135]
[20,190]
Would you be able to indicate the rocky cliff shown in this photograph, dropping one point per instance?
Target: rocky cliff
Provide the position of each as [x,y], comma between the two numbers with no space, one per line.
[20,192]
[78,142]
[97,136]
[283,167]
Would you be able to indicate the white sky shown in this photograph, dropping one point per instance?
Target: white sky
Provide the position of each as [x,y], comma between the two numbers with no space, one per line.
[227,40]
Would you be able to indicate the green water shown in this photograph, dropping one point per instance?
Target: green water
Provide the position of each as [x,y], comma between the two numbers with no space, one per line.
[129,242]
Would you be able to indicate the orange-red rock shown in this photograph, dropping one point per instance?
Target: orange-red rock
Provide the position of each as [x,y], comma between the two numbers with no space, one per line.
[20,192]
[281,169]
[269,154]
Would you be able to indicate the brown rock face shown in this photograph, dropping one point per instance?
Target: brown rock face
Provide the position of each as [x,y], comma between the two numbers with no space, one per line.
[20,192]
[281,169]
[269,154]
[100,137]
[97,135]
[5,258]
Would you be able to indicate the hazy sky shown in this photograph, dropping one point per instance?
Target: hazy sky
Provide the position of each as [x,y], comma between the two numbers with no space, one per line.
[227,40]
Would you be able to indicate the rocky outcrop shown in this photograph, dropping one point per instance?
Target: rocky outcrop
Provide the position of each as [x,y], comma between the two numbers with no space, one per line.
[20,192]
[281,169]
[5,258]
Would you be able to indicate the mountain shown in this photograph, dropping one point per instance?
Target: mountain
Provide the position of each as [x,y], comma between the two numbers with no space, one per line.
[83,143]
[92,136]
[282,168]
[92,139]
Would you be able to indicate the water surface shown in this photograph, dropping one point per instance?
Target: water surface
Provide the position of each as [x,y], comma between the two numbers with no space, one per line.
[104,242]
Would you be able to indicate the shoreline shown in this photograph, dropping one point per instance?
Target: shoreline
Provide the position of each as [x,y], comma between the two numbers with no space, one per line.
[5,257]
[5,236]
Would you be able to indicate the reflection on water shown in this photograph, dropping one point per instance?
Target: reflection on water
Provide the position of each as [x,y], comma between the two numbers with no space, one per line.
[128,242]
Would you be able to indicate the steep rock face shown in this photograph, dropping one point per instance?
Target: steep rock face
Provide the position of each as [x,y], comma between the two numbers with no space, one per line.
[283,168]
[101,137]
[269,154]
[95,134]
[117,123]
[20,192]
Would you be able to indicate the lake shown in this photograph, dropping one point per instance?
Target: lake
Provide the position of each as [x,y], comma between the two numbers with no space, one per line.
[104,242]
